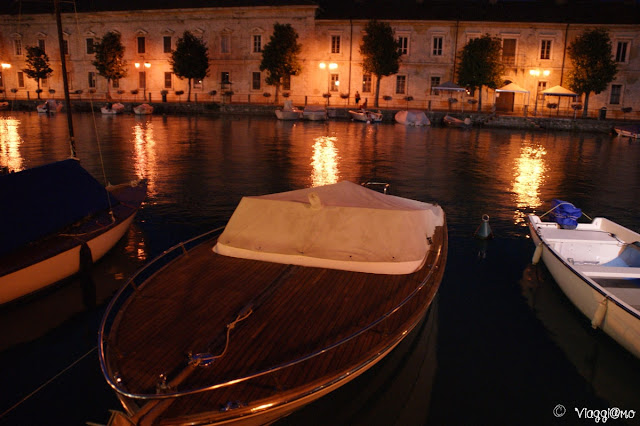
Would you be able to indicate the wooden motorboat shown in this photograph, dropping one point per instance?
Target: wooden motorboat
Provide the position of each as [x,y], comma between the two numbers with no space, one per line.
[289,112]
[315,113]
[112,109]
[55,211]
[366,116]
[49,107]
[412,117]
[143,109]
[301,293]
[456,122]
[631,131]
[597,266]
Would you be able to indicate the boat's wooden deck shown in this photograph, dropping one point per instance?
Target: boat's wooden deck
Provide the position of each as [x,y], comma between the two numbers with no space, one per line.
[297,311]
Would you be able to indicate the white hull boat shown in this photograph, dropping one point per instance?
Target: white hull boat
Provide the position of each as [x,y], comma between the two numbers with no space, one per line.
[597,266]
[143,109]
[315,113]
[366,116]
[113,109]
[49,253]
[289,112]
[412,117]
[49,107]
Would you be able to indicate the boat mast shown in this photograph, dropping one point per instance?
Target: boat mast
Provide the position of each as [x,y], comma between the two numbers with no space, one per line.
[72,141]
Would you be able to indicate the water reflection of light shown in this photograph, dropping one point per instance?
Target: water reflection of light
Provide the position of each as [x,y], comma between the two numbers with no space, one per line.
[324,161]
[145,154]
[10,142]
[529,174]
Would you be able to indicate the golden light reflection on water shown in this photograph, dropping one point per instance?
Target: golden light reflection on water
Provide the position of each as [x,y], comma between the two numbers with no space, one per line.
[324,161]
[146,156]
[529,174]
[10,142]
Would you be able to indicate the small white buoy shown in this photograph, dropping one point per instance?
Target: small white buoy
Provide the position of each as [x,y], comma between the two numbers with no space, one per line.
[484,230]
[537,254]
[598,317]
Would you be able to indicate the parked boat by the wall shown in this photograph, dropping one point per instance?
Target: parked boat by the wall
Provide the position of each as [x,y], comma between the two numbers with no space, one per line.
[315,113]
[366,116]
[112,109]
[456,122]
[412,117]
[143,109]
[301,293]
[49,107]
[631,131]
[289,112]
[58,217]
[597,266]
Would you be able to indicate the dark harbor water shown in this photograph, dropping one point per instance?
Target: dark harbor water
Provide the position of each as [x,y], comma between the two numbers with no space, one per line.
[501,344]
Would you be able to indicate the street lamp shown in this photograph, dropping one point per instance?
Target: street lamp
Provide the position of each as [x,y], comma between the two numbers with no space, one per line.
[536,73]
[143,77]
[329,67]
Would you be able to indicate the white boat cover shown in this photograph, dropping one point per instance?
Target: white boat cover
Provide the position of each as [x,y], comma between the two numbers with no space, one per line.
[341,226]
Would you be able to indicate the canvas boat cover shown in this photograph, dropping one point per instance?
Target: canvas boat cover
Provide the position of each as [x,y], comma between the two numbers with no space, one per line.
[341,226]
[43,200]
[565,214]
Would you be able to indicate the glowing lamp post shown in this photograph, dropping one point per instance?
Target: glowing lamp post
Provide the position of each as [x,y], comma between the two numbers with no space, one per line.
[329,67]
[143,77]
[536,73]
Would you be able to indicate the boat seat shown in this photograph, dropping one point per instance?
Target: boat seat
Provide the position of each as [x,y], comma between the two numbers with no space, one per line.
[629,256]
[570,235]
[602,271]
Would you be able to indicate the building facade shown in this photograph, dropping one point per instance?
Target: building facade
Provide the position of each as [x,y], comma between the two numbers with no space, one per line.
[535,56]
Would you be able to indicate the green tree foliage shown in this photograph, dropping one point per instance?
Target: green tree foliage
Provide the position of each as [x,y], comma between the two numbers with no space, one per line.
[109,62]
[380,52]
[37,65]
[190,59]
[280,55]
[593,64]
[481,65]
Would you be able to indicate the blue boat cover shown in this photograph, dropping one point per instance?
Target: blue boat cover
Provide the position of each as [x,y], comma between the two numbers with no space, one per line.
[41,201]
[565,214]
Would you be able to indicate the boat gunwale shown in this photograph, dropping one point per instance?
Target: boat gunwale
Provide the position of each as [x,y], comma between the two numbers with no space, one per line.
[592,283]
[108,323]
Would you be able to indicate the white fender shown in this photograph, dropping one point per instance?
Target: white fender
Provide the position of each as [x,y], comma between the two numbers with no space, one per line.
[598,317]
[537,254]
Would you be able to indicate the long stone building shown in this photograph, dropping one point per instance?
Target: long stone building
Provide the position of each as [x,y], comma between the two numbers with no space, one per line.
[535,36]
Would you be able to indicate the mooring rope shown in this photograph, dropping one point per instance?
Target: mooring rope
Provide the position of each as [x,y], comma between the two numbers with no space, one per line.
[583,213]
[48,382]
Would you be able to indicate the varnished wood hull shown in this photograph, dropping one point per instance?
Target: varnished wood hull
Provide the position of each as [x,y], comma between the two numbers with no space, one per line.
[337,324]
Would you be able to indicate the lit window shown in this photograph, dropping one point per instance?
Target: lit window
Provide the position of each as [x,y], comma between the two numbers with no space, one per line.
[1,80]
[141,45]
[437,46]
[166,44]
[545,49]
[401,84]
[335,82]
[616,92]
[335,44]
[366,83]
[621,51]
[403,45]
[255,81]
[168,80]
[257,43]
